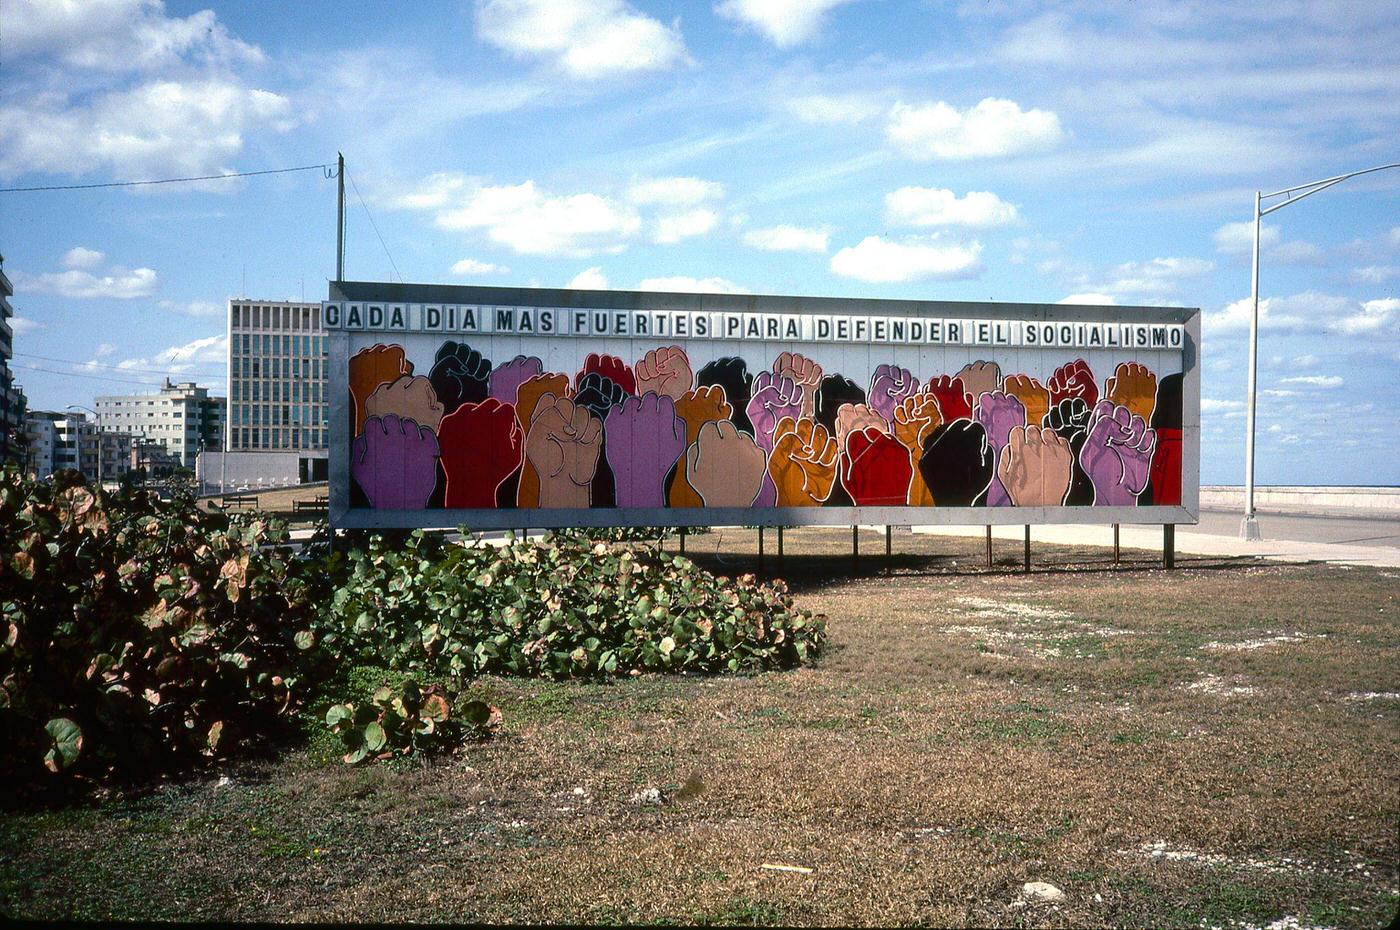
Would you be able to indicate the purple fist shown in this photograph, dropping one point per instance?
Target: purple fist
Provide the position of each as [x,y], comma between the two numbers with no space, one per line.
[888,388]
[394,461]
[644,439]
[999,413]
[774,396]
[1117,454]
[508,376]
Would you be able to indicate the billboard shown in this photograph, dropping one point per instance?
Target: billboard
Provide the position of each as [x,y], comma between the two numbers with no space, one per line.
[525,407]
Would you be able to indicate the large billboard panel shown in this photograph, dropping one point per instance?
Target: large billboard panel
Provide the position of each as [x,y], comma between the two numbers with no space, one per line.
[524,407]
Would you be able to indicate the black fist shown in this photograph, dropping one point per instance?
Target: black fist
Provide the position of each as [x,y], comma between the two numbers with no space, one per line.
[599,394]
[732,374]
[460,375]
[836,390]
[957,464]
[1070,419]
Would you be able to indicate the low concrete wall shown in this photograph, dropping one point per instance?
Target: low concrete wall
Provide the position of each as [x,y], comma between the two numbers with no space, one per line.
[1371,501]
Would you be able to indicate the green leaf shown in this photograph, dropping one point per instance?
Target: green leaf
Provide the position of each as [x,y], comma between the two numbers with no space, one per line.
[65,744]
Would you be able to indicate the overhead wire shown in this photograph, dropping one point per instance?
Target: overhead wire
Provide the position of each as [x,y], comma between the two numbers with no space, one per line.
[207,177]
[372,223]
[79,374]
[96,364]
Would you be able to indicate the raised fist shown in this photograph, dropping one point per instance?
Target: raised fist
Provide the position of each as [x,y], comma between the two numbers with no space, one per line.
[1133,386]
[888,387]
[563,446]
[914,419]
[853,418]
[1117,454]
[725,466]
[610,367]
[1035,467]
[805,373]
[644,438]
[835,391]
[665,371]
[1164,479]
[875,469]
[507,378]
[394,461]
[482,446]
[980,377]
[460,375]
[732,374]
[527,492]
[1073,380]
[957,463]
[369,368]
[774,397]
[599,394]
[999,414]
[408,398]
[803,463]
[951,394]
[1032,395]
[1069,418]
[696,408]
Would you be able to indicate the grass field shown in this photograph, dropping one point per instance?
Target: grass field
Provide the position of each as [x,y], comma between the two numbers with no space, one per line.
[1213,746]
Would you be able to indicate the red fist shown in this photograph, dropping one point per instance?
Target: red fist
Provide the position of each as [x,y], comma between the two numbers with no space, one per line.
[1164,477]
[954,403]
[481,446]
[875,469]
[1073,380]
[610,367]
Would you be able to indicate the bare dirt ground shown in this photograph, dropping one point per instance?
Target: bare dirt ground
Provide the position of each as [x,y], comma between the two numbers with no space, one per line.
[1214,746]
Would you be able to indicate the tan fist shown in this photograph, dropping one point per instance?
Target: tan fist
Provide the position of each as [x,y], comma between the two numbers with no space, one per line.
[805,373]
[1033,395]
[852,418]
[369,368]
[665,371]
[409,398]
[1135,387]
[563,446]
[914,419]
[980,378]
[725,466]
[803,463]
[527,495]
[1035,467]
[696,408]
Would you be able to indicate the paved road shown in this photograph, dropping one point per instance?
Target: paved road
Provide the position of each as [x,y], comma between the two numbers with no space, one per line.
[1356,531]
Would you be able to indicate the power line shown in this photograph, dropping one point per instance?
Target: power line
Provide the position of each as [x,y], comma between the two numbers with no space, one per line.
[96,364]
[207,177]
[77,374]
[376,227]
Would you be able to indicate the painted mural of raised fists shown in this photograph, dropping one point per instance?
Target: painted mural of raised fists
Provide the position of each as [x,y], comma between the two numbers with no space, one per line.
[528,395]
[1035,467]
[394,461]
[888,387]
[999,413]
[368,369]
[1075,379]
[733,375]
[852,418]
[1133,386]
[774,397]
[1069,418]
[1164,481]
[563,445]
[698,407]
[914,419]
[1033,395]
[665,371]
[805,373]
[875,468]
[507,377]
[1117,454]
[957,463]
[599,394]
[460,375]
[644,440]
[482,446]
[980,377]
[409,397]
[954,403]
[835,392]
[725,466]
[803,462]
[610,367]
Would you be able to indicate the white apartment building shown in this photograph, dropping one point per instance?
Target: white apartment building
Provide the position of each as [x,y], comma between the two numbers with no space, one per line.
[182,417]
[55,441]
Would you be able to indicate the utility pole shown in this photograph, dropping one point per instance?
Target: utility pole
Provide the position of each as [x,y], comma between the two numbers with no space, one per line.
[340,217]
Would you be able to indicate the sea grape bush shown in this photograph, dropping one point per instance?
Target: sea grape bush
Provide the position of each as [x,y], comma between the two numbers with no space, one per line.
[138,636]
[409,719]
[561,608]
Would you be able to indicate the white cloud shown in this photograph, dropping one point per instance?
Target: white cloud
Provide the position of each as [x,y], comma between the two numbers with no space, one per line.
[991,128]
[1394,237]
[1317,381]
[1375,316]
[1088,298]
[785,238]
[681,283]
[933,206]
[834,110]
[883,261]
[103,350]
[118,283]
[182,358]
[1224,407]
[531,222]
[79,257]
[785,23]
[1305,361]
[434,192]
[23,324]
[1158,276]
[1311,311]
[195,308]
[673,192]
[590,279]
[470,266]
[674,227]
[589,39]
[1375,274]
[1238,239]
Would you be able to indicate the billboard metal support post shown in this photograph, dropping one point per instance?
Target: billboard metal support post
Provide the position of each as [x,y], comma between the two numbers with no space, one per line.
[989,545]
[682,534]
[1115,544]
[760,548]
[780,546]
[1169,545]
[855,546]
[889,549]
[1028,549]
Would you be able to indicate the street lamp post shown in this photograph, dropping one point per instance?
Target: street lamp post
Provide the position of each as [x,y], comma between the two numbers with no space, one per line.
[1249,526]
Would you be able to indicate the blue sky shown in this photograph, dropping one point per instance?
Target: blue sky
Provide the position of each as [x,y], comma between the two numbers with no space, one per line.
[986,151]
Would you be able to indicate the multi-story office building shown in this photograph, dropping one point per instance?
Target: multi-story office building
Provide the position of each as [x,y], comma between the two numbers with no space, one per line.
[11,395]
[276,390]
[55,441]
[182,417]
